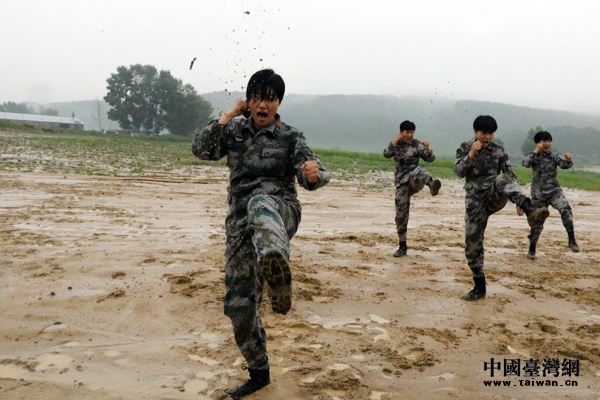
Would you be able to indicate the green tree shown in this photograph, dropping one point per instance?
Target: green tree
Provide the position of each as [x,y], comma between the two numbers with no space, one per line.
[528,144]
[187,112]
[143,98]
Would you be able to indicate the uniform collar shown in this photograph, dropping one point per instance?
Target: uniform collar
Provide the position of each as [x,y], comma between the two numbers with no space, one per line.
[273,129]
[413,142]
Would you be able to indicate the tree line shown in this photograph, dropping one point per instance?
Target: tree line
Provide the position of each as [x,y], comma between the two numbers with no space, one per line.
[23,108]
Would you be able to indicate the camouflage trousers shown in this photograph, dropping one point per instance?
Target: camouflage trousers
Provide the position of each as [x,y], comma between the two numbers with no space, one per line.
[272,222]
[478,208]
[419,177]
[560,203]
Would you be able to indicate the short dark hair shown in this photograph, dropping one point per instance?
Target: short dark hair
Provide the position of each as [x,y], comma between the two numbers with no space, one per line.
[262,82]
[542,135]
[407,126]
[485,124]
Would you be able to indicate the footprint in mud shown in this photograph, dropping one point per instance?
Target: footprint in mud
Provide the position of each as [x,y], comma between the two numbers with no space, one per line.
[16,369]
[53,362]
[384,335]
[378,319]
[204,360]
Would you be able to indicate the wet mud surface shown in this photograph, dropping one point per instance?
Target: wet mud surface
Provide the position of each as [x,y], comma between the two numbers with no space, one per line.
[111,288]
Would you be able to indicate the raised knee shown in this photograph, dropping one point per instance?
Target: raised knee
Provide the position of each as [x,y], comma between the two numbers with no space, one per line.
[255,202]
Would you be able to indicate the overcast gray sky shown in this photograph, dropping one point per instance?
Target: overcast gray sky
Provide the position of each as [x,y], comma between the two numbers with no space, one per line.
[537,53]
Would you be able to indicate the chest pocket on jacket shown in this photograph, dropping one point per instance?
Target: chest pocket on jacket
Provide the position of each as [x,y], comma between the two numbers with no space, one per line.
[235,153]
[270,161]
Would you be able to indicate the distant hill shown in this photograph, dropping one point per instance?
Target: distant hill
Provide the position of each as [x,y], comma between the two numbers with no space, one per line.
[367,123]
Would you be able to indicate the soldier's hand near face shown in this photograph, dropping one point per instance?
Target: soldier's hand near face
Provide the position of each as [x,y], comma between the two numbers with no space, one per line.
[397,138]
[568,157]
[238,108]
[310,169]
[475,148]
[538,147]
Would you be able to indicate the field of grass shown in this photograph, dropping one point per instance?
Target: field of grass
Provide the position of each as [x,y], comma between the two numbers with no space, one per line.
[358,163]
[92,153]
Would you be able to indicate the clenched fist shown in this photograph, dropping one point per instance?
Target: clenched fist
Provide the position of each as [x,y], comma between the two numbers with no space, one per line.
[425,144]
[310,169]
[568,157]
[475,148]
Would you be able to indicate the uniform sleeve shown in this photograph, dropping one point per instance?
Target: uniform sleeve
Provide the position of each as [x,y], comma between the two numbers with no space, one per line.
[302,153]
[463,163]
[425,155]
[388,152]
[528,160]
[506,166]
[211,142]
[562,162]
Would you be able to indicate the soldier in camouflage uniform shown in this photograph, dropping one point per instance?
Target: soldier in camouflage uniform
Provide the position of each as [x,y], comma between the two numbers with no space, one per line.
[265,157]
[545,189]
[410,178]
[490,183]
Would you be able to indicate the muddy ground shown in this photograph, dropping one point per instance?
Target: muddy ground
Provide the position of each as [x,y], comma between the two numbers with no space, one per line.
[111,288]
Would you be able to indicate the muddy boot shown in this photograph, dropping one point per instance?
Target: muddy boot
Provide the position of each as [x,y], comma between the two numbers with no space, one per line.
[259,378]
[434,187]
[531,254]
[478,291]
[572,243]
[279,277]
[535,216]
[401,250]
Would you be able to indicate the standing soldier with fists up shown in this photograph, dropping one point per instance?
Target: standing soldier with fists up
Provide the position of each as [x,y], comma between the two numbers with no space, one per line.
[265,157]
[490,183]
[545,189]
[410,178]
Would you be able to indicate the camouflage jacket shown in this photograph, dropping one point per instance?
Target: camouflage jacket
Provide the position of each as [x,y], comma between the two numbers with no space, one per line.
[264,162]
[481,170]
[544,171]
[406,156]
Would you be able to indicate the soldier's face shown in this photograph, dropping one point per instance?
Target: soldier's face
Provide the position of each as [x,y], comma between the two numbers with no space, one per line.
[407,136]
[484,138]
[263,110]
[546,145]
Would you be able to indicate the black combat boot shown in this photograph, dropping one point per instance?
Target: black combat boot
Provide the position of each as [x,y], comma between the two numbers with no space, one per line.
[478,291]
[259,378]
[572,243]
[531,254]
[434,187]
[401,250]
[535,216]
